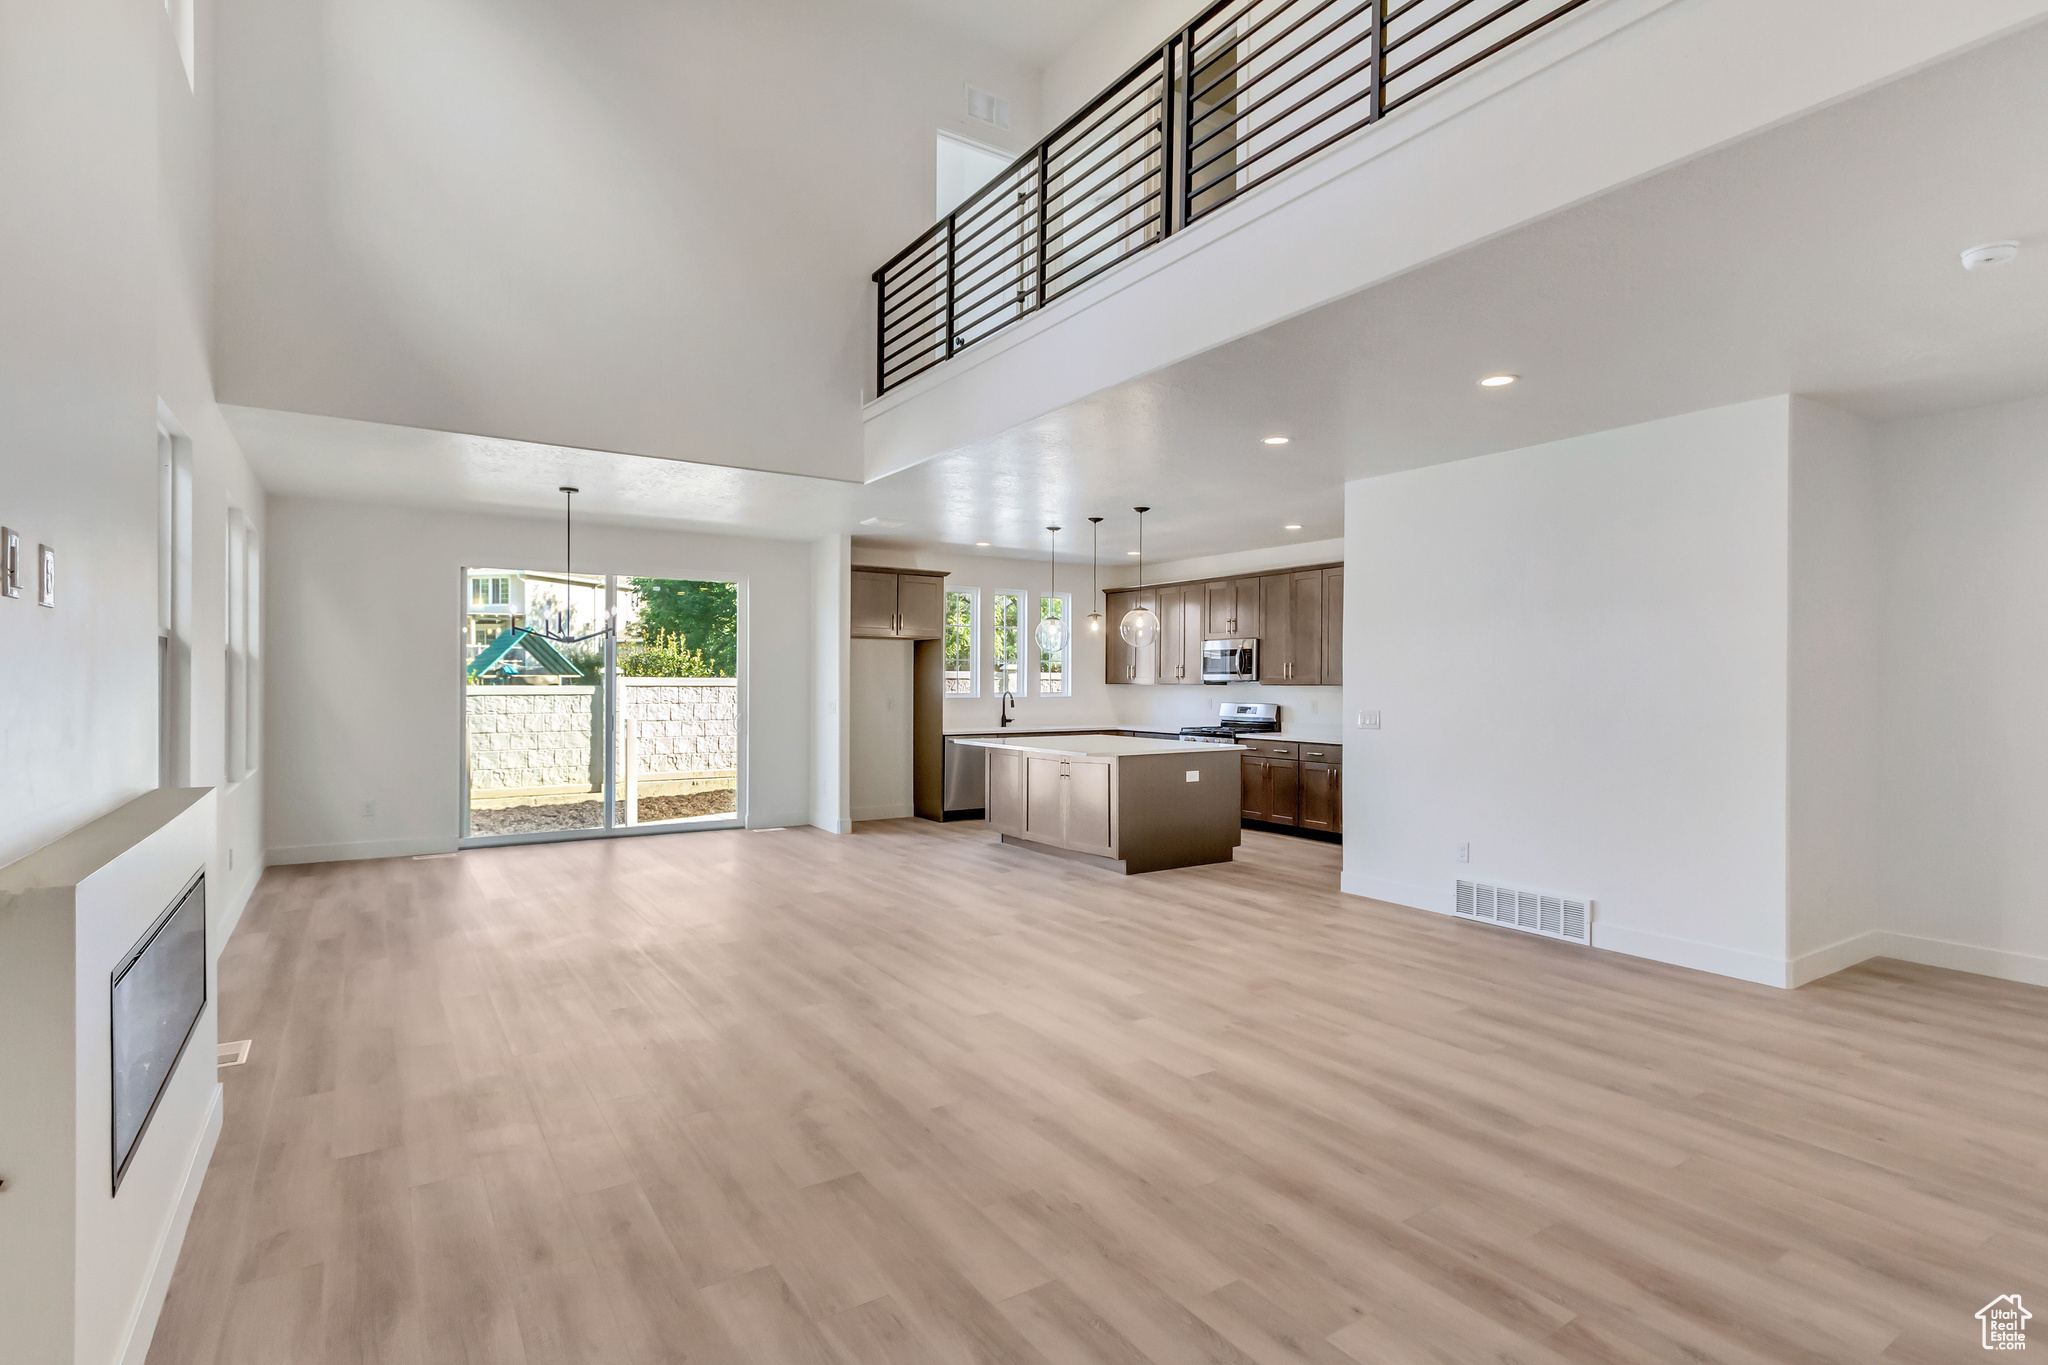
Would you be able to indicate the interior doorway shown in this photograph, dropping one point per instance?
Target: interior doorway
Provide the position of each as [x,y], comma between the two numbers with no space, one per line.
[598,704]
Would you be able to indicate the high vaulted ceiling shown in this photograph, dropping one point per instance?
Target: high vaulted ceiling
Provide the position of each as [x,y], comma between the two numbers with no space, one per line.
[1817,258]
[1035,30]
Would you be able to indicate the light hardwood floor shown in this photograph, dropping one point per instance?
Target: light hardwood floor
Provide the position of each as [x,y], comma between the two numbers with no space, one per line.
[907,1096]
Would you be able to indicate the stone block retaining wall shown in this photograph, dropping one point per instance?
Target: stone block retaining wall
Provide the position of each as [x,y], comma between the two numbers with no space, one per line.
[548,741]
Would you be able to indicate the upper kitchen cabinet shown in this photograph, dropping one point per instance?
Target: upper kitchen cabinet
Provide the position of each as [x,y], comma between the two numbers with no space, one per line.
[1333,627]
[1296,615]
[1230,609]
[1291,646]
[889,604]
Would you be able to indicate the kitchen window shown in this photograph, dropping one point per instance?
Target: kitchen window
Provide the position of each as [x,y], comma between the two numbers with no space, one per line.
[1008,637]
[1053,674]
[963,643]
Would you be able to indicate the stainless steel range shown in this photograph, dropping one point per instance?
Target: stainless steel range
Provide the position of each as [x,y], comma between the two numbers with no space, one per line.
[1233,719]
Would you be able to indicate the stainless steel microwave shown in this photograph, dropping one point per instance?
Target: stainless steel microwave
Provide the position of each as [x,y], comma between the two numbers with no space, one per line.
[1229,661]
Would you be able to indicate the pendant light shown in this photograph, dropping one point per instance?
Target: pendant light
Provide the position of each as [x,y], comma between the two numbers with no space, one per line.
[1094,541]
[1140,626]
[565,619]
[1052,629]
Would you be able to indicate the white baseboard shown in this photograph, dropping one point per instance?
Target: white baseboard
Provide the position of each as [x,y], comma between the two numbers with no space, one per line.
[239,901]
[2003,963]
[902,812]
[1679,952]
[833,826]
[142,1325]
[1739,963]
[1820,962]
[367,848]
[1438,899]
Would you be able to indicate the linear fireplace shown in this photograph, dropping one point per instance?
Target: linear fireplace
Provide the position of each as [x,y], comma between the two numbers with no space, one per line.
[159,992]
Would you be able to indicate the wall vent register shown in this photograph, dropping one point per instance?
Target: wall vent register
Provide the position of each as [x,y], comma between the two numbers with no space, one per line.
[1535,912]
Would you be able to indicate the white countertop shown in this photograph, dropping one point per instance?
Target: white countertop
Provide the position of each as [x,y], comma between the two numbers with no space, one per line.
[1041,730]
[1096,746]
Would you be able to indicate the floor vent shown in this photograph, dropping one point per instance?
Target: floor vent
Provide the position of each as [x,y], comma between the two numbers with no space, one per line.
[1535,912]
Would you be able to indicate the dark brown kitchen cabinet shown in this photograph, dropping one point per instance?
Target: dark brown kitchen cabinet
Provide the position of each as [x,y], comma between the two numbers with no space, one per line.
[1122,661]
[1333,627]
[1180,635]
[1322,796]
[889,605]
[1296,615]
[1291,644]
[1271,789]
[1230,609]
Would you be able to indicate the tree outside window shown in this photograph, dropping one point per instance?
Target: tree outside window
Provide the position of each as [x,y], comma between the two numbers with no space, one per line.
[1052,663]
[961,680]
[1008,619]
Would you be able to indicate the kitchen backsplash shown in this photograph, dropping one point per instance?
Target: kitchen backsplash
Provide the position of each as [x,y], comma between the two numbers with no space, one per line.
[1311,712]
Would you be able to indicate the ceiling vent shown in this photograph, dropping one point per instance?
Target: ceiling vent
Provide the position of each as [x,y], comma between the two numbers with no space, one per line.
[986,108]
[1536,912]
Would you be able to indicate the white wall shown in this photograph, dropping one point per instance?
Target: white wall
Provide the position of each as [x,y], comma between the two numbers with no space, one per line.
[365,674]
[879,728]
[831,683]
[1110,47]
[643,226]
[1580,654]
[1832,691]
[103,313]
[1964,651]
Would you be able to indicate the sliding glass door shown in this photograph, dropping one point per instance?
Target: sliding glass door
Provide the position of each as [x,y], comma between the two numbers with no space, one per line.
[598,705]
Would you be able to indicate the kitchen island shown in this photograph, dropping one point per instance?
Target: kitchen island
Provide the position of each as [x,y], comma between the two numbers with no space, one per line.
[1117,801]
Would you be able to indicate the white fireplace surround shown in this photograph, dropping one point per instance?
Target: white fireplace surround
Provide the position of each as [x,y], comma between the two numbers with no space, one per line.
[82,1270]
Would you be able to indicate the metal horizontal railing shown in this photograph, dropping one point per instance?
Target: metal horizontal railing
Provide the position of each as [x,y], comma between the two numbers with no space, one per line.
[1247,90]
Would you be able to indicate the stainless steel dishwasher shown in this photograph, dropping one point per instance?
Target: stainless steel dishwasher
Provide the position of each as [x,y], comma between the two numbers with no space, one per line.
[966,781]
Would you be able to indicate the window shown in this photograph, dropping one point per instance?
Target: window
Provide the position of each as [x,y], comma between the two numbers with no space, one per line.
[173,607]
[1009,616]
[490,592]
[963,611]
[243,612]
[1052,663]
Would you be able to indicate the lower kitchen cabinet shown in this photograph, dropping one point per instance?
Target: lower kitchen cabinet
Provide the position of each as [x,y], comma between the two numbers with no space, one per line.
[1272,790]
[1287,782]
[1052,800]
[1322,797]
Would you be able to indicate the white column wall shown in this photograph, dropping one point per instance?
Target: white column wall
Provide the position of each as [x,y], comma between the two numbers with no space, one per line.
[1579,653]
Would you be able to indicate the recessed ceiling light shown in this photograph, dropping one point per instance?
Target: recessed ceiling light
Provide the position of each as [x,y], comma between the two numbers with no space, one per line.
[1276,440]
[981,545]
[1131,552]
[1498,381]
[1292,526]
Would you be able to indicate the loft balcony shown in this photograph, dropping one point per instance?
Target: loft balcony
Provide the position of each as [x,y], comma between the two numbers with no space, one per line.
[1319,151]
[1274,83]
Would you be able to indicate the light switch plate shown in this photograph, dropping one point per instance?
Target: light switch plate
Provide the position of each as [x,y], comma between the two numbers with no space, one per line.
[1368,720]
[46,576]
[10,562]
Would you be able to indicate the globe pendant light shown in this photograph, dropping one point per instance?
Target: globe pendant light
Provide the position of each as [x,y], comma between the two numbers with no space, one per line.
[1094,541]
[1140,626]
[1051,629]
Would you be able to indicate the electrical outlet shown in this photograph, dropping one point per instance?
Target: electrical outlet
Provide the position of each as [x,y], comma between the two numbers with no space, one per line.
[1368,720]
[369,810]
[1464,853]
[1194,774]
